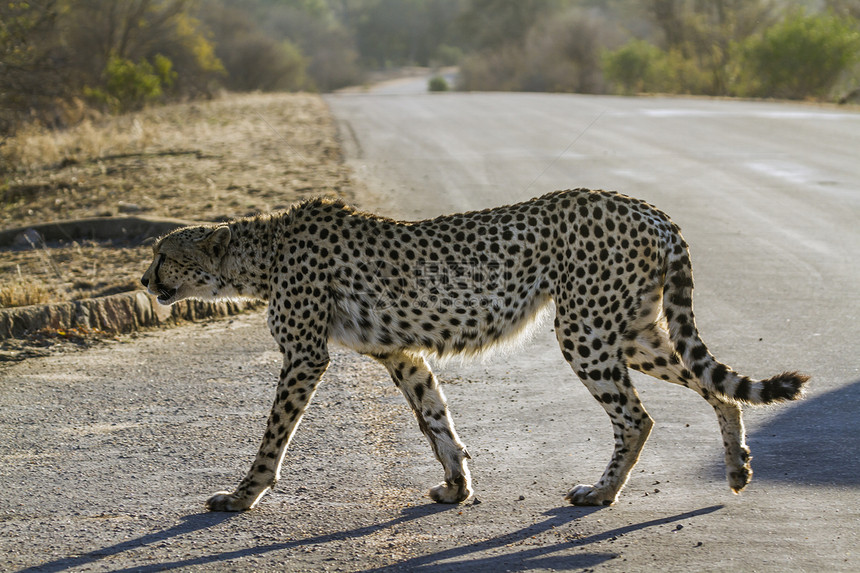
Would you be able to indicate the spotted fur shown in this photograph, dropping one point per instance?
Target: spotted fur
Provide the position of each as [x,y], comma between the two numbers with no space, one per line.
[616,268]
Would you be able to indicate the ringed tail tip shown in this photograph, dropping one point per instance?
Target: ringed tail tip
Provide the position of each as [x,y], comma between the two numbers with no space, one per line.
[783,387]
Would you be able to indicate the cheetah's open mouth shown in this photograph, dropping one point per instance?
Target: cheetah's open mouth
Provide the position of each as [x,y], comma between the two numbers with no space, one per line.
[165,295]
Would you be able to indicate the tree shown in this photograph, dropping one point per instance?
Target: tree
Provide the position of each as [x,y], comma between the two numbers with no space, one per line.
[129,86]
[669,17]
[800,57]
[313,28]
[402,32]
[254,60]
[97,33]
[491,24]
[31,64]
[699,35]
[562,52]
[632,68]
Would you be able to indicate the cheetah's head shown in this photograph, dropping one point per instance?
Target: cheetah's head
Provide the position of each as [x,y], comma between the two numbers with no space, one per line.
[186,264]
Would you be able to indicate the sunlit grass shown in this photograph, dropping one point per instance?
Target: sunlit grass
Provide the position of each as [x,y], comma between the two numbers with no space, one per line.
[36,147]
[24,291]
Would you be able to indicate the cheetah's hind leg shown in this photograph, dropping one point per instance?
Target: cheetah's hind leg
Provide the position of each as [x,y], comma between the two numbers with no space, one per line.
[651,352]
[598,364]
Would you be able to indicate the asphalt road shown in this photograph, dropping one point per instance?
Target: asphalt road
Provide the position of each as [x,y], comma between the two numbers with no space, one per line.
[768,196]
[108,455]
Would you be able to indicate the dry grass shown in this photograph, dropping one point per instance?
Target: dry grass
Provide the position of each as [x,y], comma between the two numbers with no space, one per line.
[204,161]
[35,147]
[24,291]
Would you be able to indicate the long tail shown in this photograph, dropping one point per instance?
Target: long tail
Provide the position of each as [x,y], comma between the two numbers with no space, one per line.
[713,375]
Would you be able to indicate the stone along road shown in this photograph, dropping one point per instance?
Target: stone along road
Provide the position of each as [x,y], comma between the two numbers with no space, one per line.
[108,455]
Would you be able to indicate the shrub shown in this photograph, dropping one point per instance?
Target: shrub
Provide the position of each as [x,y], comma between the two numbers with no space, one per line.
[558,54]
[129,86]
[493,70]
[437,84]
[164,70]
[631,68]
[563,55]
[642,67]
[800,57]
[257,62]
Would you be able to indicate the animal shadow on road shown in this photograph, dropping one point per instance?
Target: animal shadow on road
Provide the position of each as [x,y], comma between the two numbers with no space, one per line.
[464,557]
[813,442]
[188,524]
[540,557]
[201,521]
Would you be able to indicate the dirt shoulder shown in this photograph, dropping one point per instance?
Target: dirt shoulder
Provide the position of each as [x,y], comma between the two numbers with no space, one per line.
[208,161]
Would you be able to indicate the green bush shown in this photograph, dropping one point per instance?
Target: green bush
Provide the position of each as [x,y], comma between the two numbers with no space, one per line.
[164,70]
[129,86]
[639,66]
[800,57]
[631,68]
[437,84]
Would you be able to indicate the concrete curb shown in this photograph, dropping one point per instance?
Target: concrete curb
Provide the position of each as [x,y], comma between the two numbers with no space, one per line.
[96,228]
[119,313]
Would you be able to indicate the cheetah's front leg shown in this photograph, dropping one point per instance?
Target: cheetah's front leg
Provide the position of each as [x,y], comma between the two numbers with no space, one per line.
[295,390]
[413,376]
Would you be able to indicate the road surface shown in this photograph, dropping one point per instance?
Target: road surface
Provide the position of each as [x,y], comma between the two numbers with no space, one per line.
[768,196]
[108,455]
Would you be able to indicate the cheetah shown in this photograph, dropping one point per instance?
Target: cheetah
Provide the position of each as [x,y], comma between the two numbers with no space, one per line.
[616,269]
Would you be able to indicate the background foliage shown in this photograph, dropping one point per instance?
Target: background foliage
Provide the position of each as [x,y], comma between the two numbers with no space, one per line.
[59,59]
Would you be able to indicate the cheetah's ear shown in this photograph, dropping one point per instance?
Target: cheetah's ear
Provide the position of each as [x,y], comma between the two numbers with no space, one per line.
[215,243]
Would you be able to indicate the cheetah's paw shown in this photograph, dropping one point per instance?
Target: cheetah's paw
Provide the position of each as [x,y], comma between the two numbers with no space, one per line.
[451,493]
[226,501]
[739,472]
[738,479]
[589,495]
